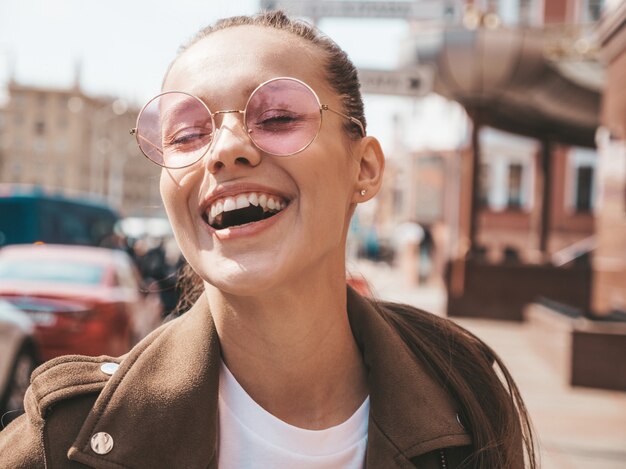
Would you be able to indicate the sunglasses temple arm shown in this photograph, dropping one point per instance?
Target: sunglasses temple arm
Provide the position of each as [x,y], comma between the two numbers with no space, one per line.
[151,144]
[354,120]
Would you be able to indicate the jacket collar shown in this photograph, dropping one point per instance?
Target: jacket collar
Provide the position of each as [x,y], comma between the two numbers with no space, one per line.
[164,395]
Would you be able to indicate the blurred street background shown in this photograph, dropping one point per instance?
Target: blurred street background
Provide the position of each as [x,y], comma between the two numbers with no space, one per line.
[503,206]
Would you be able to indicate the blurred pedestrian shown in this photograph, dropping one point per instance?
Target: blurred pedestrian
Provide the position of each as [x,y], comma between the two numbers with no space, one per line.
[407,238]
[277,364]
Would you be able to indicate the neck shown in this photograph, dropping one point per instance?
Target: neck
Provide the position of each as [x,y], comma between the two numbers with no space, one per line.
[293,350]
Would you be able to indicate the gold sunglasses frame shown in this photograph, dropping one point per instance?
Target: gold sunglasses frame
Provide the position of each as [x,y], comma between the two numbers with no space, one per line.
[322,107]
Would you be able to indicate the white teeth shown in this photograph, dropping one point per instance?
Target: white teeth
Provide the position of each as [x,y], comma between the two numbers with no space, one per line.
[229,204]
[242,201]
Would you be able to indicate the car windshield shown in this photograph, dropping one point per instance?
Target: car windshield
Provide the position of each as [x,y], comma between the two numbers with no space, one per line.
[51,271]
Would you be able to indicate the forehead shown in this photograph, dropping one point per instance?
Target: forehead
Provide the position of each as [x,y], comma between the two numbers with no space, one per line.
[237,59]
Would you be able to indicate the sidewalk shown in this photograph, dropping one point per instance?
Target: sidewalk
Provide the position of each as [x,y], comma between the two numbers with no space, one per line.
[577,428]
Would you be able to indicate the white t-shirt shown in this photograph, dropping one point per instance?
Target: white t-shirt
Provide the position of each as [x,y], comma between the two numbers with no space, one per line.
[251,437]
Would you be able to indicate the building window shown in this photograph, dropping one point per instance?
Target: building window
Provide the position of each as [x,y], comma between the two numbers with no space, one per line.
[583,192]
[592,10]
[484,184]
[525,12]
[514,198]
[581,180]
[40,127]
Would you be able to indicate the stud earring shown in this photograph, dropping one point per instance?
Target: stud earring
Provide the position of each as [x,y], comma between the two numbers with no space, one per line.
[363,191]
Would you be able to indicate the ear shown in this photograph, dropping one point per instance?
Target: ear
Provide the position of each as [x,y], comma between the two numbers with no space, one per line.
[371,166]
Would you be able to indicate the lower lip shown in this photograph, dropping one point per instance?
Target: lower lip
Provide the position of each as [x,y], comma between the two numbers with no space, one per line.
[250,229]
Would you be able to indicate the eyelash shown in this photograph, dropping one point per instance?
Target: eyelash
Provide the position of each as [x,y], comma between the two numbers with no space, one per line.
[178,139]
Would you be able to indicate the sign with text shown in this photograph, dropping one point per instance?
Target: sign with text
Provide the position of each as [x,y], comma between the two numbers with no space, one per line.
[409,10]
[413,82]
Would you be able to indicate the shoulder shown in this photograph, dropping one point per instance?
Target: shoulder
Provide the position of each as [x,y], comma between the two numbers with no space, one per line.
[71,376]
[62,392]
[70,382]
[67,377]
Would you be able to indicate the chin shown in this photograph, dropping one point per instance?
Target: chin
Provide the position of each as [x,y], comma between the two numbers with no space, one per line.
[243,277]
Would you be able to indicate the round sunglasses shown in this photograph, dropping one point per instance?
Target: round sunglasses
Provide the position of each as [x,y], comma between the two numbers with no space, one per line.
[282,117]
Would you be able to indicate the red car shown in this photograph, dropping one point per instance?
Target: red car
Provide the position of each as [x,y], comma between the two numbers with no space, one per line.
[83,300]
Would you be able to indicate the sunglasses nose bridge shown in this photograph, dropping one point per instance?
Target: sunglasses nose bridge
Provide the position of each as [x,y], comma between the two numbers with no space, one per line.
[219,120]
[231,143]
[216,114]
[219,116]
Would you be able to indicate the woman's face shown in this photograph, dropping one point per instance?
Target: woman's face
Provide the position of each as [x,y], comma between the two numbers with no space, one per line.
[318,186]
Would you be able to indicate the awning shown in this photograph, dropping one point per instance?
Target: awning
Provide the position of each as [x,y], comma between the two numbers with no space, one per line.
[505,76]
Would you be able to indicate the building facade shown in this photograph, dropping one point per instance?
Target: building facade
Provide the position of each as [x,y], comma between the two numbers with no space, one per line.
[68,142]
[510,197]
[609,266]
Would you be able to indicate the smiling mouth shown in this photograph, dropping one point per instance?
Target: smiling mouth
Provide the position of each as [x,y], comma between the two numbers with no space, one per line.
[242,209]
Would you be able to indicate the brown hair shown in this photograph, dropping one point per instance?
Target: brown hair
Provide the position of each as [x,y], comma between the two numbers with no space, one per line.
[492,408]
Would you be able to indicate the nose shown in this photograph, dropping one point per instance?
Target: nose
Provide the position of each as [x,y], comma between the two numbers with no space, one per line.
[231,146]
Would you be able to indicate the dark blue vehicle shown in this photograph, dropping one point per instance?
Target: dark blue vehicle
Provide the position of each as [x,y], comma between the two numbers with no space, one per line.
[31,217]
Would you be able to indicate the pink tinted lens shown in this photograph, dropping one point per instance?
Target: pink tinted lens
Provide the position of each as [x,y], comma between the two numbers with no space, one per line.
[174,130]
[283,117]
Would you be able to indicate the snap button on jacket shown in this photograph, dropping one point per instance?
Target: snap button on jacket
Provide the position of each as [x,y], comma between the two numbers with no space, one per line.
[159,408]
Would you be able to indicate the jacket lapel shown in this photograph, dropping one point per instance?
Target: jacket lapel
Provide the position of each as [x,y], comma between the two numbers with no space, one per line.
[160,406]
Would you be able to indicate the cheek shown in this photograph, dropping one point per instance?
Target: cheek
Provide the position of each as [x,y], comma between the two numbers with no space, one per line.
[327,187]
[169,192]
[176,192]
[339,175]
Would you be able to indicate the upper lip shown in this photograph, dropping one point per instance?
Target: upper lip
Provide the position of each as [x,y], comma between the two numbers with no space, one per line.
[231,190]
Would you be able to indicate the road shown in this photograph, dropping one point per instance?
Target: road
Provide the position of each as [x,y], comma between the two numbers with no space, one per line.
[577,428]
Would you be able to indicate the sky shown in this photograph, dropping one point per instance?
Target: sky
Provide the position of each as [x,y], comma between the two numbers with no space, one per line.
[123,47]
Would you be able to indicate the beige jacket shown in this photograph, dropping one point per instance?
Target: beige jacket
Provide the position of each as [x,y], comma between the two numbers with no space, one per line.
[159,408]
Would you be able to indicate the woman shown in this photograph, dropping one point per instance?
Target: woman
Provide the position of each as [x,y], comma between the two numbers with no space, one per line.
[261,136]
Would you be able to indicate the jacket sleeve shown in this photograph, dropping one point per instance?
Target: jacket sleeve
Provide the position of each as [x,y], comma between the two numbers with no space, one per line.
[21,443]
